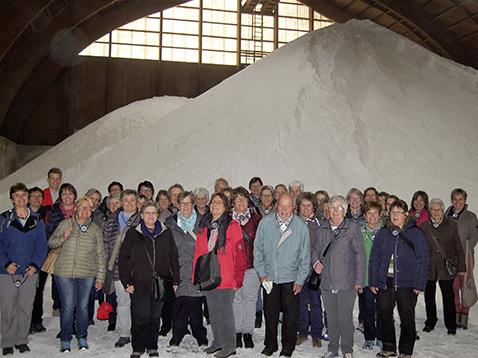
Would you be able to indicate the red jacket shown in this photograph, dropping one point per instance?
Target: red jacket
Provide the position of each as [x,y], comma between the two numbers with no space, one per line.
[251,228]
[232,259]
[47,199]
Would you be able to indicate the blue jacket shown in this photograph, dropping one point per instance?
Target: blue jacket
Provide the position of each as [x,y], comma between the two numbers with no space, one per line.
[24,245]
[55,217]
[411,256]
[286,261]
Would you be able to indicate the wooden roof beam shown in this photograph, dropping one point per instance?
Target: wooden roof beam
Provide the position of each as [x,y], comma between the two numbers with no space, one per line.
[328,10]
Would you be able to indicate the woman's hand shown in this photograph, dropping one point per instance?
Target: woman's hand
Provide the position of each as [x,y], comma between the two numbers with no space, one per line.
[318,267]
[98,285]
[67,232]
[374,290]
[358,288]
[130,289]
[416,292]
[30,271]
[12,268]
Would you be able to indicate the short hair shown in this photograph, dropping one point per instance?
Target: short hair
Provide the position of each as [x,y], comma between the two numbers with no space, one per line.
[354,191]
[281,186]
[416,195]
[161,193]
[223,198]
[15,188]
[383,193]
[201,192]
[401,204]
[255,180]
[127,192]
[267,187]
[69,187]
[437,201]
[113,196]
[221,180]
[370,188]
[186,194]
[295,183]
[92,191]
[339,199]
[239,191]
[83,199]
[175,186]
[323,192]
[146,184]
[393,196]
[228,189]
[370,206]
[307,195]
[36,189]
[458,191]
[115,183]
[147,204]
[54,171]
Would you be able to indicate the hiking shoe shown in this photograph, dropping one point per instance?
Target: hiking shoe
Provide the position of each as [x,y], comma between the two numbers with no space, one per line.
[451,332]
[268,351]
[122,341]
[325,337]
[368,345]
[65,346]
[300,340]
[386,354]
[316,342]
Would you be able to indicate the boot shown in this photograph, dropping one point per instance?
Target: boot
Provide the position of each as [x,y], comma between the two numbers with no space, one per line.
[258,322]
[248,342]
[238,340]
[458,320]
[316,342]
[464,321]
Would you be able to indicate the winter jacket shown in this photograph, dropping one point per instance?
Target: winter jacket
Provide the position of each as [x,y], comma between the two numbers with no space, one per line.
[47,199]
[423,217]
[447,236]
[185,243]
[134,266]
[232,258]
[313,226]
[286,260]
[250,230]
[55,216]
[367,237]
[411,257]
[467,227]
[359,220]
[82,254]
[111,230]
[24,245]
[344,261]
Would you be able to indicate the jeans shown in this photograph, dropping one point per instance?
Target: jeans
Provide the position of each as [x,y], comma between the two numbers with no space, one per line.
[74,296]
[368,314]
[308,297]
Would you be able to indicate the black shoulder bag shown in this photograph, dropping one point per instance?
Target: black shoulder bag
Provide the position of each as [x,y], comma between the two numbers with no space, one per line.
[314,278]
[161,289]
[207,273]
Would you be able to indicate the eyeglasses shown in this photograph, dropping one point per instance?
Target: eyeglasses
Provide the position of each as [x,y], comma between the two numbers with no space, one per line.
[336,208]
[186,203]
[397,212]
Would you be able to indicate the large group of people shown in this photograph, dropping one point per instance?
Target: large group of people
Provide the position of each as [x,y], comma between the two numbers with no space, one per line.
[172,263]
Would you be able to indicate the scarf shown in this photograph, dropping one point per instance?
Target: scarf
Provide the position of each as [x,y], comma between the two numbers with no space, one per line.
[187,224]
[151,233]
[283,224]
[243,218]
[220,224]
[67,213]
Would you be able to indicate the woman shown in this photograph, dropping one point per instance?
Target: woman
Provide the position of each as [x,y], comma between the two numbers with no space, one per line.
[266,200]
[355,203]
[23,248]
[467,224]
[398,272]
[184,226]
[444,244]
[307,206]
[148,252]
[80,261]
[245,298]
[340,258]
[201,198]
[219,231]
[163,203]
[279,190]
[419,207]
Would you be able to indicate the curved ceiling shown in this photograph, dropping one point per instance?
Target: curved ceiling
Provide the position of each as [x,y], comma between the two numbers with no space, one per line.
[40,37]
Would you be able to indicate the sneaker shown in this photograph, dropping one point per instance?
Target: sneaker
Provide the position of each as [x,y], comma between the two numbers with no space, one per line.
[348,355]
[325,337]
[122,341]
[368,345]
[152,352]
[316,342]
[22,348]
[386,354]
[65,346]
[300,340]
[360,327]
[329,355]
[135,355]
[82,344]
[248,342]
[404,355]
[427,329]
[7,350]
[285,354]
[111,327]
[379,344]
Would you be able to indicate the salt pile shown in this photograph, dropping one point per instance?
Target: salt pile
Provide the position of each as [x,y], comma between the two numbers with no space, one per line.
[350,105]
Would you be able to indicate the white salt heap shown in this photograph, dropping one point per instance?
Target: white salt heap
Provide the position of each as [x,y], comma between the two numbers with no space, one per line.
[349,105]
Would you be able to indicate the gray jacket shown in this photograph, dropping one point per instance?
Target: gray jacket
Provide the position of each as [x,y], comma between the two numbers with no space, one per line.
[185,244]
[344,262]
[467,227]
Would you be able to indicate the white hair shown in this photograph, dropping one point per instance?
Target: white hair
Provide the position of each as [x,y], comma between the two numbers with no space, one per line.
[338,199]
[437,201]
[296,183]
[201,192]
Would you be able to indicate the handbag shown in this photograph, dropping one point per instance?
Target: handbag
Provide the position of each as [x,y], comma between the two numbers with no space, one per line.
[315,278]
[48,265]
[161,289]
[207,273]
[451,263]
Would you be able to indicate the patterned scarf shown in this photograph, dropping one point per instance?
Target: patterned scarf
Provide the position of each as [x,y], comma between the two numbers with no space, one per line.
[283,224]
[187,224]
[151,233]
[243,218]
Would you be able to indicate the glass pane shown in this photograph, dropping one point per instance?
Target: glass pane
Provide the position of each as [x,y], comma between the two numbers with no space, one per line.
[181,41]
[194,3]
[321,24]
[181,13]
[185,27]
[219,16]
[181,55]
[289,35]
[130,51]
[96,49]
[211,43]
[139,24]
[152,24]
[219,30]
[220,4]
[220,58]
[295,10]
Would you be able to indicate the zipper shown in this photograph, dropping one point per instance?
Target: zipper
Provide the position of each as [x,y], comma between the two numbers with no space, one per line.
[395,264]
[76,254]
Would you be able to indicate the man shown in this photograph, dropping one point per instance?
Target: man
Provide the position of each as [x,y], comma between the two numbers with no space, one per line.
[370,195]
[115,229]
[468,231]
[50,194]
[295,189]
[282,259]
[35,202]
[255,185]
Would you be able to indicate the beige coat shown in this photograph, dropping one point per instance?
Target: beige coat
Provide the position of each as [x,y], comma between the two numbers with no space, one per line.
[82,254]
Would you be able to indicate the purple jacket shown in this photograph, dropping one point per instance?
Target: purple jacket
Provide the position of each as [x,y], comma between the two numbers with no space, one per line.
[411,255]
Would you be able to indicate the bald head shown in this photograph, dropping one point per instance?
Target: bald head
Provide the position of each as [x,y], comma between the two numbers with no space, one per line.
[285,206]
